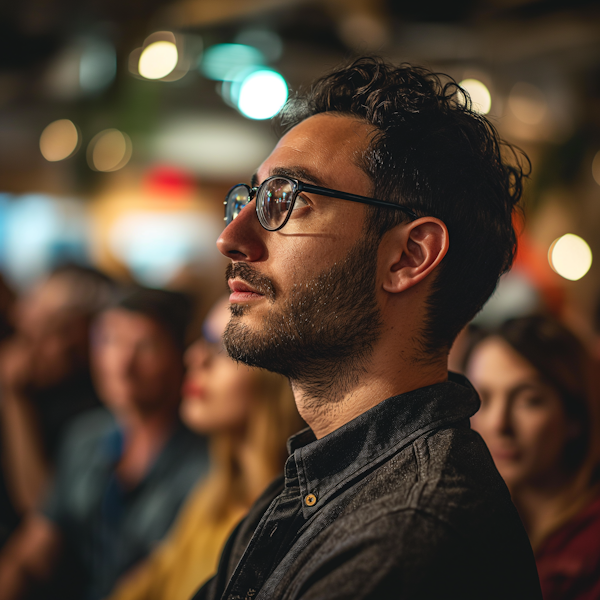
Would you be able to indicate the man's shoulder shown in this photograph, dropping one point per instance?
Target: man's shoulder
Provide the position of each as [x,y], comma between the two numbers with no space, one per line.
[445,477]
[437,506]
[85,433]
[183,461]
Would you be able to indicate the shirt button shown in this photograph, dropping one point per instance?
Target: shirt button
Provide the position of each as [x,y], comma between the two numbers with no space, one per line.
[310,500]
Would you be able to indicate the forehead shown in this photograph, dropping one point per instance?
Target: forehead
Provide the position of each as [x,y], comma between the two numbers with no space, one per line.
[495,362]
[324,149]
[130,323]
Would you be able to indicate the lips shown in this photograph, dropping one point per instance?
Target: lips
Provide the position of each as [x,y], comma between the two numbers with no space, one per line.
[242,292]
[193,390]
[505,454]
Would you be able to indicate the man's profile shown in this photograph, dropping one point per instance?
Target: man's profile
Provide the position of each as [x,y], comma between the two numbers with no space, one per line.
[375,230]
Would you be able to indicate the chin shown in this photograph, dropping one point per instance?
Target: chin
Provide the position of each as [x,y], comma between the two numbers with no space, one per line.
[191,414]
[511,477]
[238,309]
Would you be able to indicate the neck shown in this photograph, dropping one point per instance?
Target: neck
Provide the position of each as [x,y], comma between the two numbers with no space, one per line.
[387,373]
[539,504]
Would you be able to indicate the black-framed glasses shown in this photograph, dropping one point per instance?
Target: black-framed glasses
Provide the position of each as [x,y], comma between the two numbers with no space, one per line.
[276,198]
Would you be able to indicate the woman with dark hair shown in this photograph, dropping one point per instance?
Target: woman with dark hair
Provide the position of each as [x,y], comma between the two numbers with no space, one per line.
[538,418]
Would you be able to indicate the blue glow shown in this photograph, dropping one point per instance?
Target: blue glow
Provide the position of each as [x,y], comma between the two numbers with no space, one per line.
[223,62]
[265,40]
[262,94]
[97,66]
[155,245]
[40,232]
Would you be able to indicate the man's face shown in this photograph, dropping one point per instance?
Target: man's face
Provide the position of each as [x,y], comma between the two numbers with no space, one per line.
[53,337]
[136,364]
[304,298]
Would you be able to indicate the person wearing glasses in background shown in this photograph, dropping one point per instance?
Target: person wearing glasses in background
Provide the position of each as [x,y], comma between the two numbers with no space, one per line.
[375,230]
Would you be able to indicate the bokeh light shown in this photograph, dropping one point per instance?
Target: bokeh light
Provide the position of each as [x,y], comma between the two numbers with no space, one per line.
[40,231]
[97,66]
[268,42]
[596,168]
[480,95]
[109,150]
[158,59]
[59,140]
[527,103]
[262,94]
[224,62]
[570,257]
[155,245]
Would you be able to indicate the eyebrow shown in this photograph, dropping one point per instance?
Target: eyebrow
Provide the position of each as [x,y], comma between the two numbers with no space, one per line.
[295,172]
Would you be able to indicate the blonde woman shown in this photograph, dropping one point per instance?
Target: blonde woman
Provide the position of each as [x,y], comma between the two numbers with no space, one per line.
[248,415]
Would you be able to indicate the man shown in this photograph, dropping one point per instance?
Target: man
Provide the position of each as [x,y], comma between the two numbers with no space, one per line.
[45,375]
[375,230]
[122,474]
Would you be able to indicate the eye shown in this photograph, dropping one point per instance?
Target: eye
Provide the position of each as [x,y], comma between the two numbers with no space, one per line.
[301,202]
[531,400]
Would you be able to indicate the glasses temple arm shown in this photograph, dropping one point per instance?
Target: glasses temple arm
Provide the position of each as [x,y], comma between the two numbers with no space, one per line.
[314,189]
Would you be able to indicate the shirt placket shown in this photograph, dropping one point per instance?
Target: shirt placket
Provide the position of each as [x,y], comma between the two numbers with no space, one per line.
[270,542]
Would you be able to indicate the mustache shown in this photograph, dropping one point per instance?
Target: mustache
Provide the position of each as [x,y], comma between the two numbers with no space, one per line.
[249,275]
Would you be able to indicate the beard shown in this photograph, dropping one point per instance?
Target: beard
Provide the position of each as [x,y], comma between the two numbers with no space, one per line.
[323,335]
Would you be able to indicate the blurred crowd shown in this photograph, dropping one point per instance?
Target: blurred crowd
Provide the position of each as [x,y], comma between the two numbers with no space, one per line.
[131,447]
[118,433]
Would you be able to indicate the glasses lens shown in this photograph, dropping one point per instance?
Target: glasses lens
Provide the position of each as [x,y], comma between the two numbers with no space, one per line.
[237,198]
[274,201]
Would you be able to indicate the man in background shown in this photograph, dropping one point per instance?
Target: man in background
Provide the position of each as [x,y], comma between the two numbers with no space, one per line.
[123,471]
[45,375]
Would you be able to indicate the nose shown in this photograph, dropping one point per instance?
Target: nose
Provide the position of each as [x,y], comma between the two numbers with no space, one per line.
[242,239]
[197,356]
[501,418]
[129,360]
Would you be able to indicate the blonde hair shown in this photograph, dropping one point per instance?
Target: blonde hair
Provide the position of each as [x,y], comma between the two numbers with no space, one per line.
[234,484]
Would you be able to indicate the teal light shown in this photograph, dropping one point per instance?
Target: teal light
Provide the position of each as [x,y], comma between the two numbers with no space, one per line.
[262,94]
[223,62]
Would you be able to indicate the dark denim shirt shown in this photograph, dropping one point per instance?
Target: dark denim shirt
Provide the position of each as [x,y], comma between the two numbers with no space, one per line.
[402,502]
[107,529]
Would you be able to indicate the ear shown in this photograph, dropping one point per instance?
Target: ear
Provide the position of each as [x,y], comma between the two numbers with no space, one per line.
[412,251]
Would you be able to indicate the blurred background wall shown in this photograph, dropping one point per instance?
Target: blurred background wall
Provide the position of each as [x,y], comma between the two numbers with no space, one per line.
[124,122]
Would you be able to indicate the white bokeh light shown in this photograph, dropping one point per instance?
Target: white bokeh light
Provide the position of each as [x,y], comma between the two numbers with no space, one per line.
[158,60]
[480,95]
[570,257]
[262,94]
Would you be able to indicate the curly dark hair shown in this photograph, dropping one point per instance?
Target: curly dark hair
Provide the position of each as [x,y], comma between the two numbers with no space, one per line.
[433,153]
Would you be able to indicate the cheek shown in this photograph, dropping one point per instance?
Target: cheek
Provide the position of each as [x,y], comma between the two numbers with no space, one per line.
[232,382]
[482,423]
[543,435]
[539,425]
[298,259]
[158,367]
[233,392]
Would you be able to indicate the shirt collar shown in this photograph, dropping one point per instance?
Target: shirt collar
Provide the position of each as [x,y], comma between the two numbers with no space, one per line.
[325,466]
